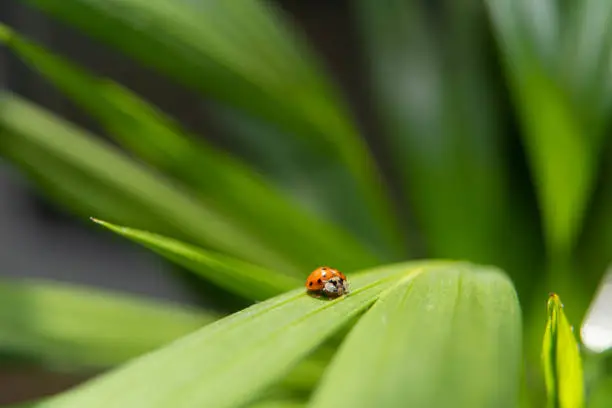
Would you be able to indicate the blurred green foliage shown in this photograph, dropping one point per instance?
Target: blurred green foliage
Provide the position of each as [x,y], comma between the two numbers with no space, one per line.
[463,94]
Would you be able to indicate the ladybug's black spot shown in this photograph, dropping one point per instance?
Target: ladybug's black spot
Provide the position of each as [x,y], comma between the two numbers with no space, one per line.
[335,283]
[319,281]
[310,283]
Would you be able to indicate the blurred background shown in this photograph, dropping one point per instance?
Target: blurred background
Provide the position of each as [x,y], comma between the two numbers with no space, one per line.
[37,232]
[40,239]
[483,130]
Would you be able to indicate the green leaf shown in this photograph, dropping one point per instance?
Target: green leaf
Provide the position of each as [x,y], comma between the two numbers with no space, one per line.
[562,146]
[561,157]
[561,359]
[279,403]
[30,404]
[222,181]
[230,362]
[325,187]
[69,325]
[587,61]
[241,278]
[96,179]
[439,113]
[448,337]
[244,55]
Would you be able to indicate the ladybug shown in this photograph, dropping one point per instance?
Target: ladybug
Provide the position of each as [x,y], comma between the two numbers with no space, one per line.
[327,281]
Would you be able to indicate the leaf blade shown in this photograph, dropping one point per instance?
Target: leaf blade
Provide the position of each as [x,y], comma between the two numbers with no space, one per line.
[221,365]
[224,182]
[242,278]
[78,326]
[561,359]
[76,166]
[440,121]
[430,329]
[217,49]
[562,146]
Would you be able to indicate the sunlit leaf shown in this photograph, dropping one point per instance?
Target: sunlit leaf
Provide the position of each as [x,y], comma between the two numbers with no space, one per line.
[68,325]
[236,276]
[231,361]
[222,181]
[448,337]
[561,359]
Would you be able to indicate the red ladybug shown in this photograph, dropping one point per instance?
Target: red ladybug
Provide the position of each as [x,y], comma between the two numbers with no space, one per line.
[327,281]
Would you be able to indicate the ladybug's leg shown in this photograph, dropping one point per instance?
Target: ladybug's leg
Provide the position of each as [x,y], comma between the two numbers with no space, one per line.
[315,294]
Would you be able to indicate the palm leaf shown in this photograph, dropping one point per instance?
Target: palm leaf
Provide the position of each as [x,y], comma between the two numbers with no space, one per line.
[232,361]
[241,278]
[94,178]
[246,56]
[223,182]
[76,326]
[448,337]
[562,145]
[561,358]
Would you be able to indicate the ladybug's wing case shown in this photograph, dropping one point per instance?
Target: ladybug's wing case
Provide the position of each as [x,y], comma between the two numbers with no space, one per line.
[320,276]
[314,284]
[314,281]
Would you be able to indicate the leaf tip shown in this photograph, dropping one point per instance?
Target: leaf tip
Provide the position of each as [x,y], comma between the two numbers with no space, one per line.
[97,221]
[102,223]
[561,358]
[554,301]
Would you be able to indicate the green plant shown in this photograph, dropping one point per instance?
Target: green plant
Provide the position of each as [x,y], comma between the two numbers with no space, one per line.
[308,191]
[561,358]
